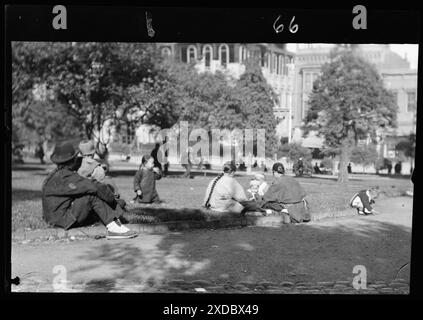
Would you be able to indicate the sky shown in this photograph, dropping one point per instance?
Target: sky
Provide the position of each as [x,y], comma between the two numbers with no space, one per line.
[412,51]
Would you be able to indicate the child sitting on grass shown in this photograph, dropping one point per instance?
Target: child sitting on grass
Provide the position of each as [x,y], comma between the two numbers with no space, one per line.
[258,187]
[363,201]
[145,181]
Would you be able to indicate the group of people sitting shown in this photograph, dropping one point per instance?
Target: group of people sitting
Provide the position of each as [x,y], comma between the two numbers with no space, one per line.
[78,191]
[285,195]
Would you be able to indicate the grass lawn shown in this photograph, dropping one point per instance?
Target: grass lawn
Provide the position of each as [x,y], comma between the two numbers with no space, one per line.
[185,196]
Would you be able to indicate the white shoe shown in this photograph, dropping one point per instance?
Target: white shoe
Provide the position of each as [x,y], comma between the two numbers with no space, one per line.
[116,227]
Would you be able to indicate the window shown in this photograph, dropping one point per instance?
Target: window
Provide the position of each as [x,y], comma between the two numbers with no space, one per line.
[284,66]
[128,135]
[224,54]
[275,63]
[411,101]
[207,54]
[307,82]
[191,53]
[242,53]
[395,93]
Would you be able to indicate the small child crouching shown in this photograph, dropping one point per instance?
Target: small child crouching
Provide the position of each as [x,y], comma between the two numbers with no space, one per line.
[363,201]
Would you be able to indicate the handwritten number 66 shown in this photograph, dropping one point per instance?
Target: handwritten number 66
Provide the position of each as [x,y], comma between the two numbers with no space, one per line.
[293,28]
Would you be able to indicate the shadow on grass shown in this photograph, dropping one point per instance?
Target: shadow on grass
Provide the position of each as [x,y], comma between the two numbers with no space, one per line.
[152,214]
[291,253]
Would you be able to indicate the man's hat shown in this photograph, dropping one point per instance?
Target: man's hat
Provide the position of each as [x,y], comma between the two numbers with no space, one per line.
[278,167]
[63,152]
[87,147]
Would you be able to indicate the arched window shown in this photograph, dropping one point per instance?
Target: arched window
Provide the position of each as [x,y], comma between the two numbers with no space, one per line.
[207,54]
[191,53]
[224,54]
[242,53]
[166,52]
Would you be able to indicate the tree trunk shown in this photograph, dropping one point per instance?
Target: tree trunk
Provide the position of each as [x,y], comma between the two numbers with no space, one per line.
[343,163]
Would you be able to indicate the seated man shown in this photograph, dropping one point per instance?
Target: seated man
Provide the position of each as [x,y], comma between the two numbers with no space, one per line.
[286,195]
[70,200]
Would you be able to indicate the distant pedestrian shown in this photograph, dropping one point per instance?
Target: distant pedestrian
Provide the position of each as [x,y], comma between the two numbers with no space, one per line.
[349,168]
[39,152]
[398,168]
[389,165]
[316,169]
[188,165]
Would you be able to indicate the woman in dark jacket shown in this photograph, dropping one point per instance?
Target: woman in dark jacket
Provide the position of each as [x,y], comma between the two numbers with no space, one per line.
[287,195]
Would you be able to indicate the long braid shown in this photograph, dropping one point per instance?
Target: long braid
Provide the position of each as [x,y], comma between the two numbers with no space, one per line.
[207,204]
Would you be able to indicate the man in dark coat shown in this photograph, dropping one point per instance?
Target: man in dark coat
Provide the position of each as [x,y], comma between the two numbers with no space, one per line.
[70,200]
[286,195]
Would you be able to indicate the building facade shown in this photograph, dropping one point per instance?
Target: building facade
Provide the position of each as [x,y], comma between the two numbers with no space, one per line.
[291,75]
[396,74]
[277,65]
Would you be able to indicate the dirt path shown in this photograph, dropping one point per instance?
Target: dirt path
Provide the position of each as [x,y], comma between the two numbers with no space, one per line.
[315,252]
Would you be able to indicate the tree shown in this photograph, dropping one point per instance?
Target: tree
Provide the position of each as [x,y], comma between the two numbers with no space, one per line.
[256,100]
[204,100]
[348,103]
[294,151]
[87,79]
[38,121]
[364,155]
